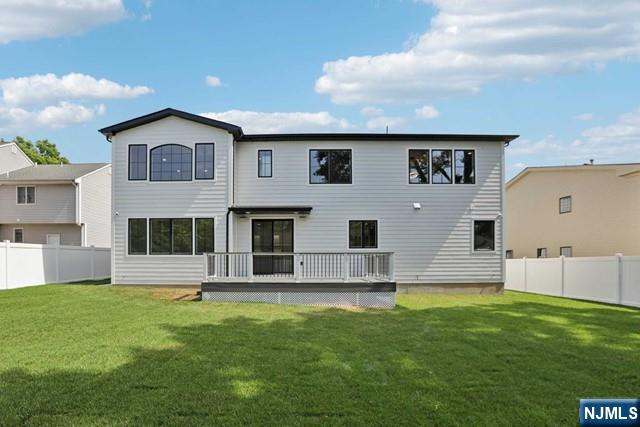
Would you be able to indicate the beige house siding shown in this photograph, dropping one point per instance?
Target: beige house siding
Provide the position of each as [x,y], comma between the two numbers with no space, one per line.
[604,219]
[55,203]
[70,234]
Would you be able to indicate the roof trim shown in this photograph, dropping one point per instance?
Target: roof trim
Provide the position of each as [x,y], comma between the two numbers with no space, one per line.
[9,143]
[305,210]
[377,136]
[585,166]
[167,112]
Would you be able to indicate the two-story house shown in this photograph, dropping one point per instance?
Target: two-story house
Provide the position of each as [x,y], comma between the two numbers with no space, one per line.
[424,211]
[66,204]
[579,210]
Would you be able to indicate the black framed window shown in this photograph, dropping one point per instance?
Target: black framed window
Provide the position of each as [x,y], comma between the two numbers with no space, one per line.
[137,162]
[509,254]
[137,236]
[566,251]
[330,166]
[205,161]
[26,195]
[265,163]
[465,166]
[565,204]
[441,167]
[171,162]
[171,236]
[541,252]
[418,166]
[363,234]
[18,235]
[205,235]
[484,235]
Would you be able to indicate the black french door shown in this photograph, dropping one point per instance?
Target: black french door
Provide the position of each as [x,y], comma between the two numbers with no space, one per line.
[272,236]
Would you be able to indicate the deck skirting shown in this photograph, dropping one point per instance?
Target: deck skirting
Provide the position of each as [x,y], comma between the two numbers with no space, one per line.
[375,295]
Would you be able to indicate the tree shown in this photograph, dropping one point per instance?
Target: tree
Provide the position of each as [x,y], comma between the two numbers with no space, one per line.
[42,153]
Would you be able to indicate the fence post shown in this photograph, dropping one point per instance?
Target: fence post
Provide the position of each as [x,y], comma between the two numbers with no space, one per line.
[57,262]
[524,271]
[93,262]
[620,278]
[562,275]
[7,246]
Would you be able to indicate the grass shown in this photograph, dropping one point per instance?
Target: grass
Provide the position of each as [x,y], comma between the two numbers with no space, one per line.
[99,355]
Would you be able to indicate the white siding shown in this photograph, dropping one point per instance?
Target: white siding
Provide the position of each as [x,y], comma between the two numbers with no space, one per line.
[95,207]
[432,245]
[12,158]
[145,199]
[55,203]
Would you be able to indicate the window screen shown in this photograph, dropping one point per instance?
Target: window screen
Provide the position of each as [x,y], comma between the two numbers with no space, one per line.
[137,236]
[265,161]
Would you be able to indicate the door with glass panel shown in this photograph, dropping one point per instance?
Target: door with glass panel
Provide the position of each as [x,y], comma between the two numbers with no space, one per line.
[272,236]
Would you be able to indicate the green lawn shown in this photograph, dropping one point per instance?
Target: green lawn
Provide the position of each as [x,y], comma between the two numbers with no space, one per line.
[77,355]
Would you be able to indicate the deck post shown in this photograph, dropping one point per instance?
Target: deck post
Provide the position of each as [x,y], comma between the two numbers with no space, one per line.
[392,270]
[205,267]
[250,267]
[296,267]
[345,267]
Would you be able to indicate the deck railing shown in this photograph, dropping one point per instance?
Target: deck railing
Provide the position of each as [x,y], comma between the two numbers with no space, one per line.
[299,266]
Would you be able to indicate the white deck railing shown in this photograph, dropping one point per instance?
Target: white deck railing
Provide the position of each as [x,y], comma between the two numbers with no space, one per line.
[299,267]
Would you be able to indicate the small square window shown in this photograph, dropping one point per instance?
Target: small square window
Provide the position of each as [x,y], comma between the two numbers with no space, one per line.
[566,251]
[565,204]
[26,195]
[509,254]
[541,253]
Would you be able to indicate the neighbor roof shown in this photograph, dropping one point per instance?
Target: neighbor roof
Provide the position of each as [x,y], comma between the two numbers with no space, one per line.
[628,168]
[67,172]
[240,136]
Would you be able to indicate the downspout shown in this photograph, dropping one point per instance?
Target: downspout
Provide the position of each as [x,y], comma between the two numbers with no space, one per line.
[76,184]
[233,189]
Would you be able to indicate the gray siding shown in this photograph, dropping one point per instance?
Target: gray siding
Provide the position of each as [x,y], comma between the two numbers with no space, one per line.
[55,203]
[12,158]
[432,245]
[145,199]
[70,234]
[95,207]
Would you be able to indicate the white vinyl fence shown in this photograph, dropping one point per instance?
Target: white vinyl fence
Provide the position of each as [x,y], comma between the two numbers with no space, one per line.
[26,264]
[611,279]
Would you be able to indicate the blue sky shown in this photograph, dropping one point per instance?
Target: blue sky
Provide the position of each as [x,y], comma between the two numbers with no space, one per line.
[564,75]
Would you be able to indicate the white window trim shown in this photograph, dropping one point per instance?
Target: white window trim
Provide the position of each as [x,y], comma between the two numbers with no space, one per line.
[35,197]
[495,219]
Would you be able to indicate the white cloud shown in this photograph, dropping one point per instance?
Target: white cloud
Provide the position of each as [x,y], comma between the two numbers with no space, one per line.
[584,117]
[618,142]
[46,88]
[58,116]
[370,111]
[381,122]
[213,81]
[35,19]
[427,112]
[146,15]
[471,43]
[261,122]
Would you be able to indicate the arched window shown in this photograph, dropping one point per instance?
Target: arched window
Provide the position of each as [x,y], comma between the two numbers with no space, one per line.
[171,162]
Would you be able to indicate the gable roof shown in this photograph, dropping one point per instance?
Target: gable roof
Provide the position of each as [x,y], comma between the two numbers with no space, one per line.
[167,112]
[68,172]
[239,135]
[626,169]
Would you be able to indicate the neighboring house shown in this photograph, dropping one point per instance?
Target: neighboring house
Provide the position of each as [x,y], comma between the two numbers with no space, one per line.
[12,157]
[185,185]
[69,204]
[583,210]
